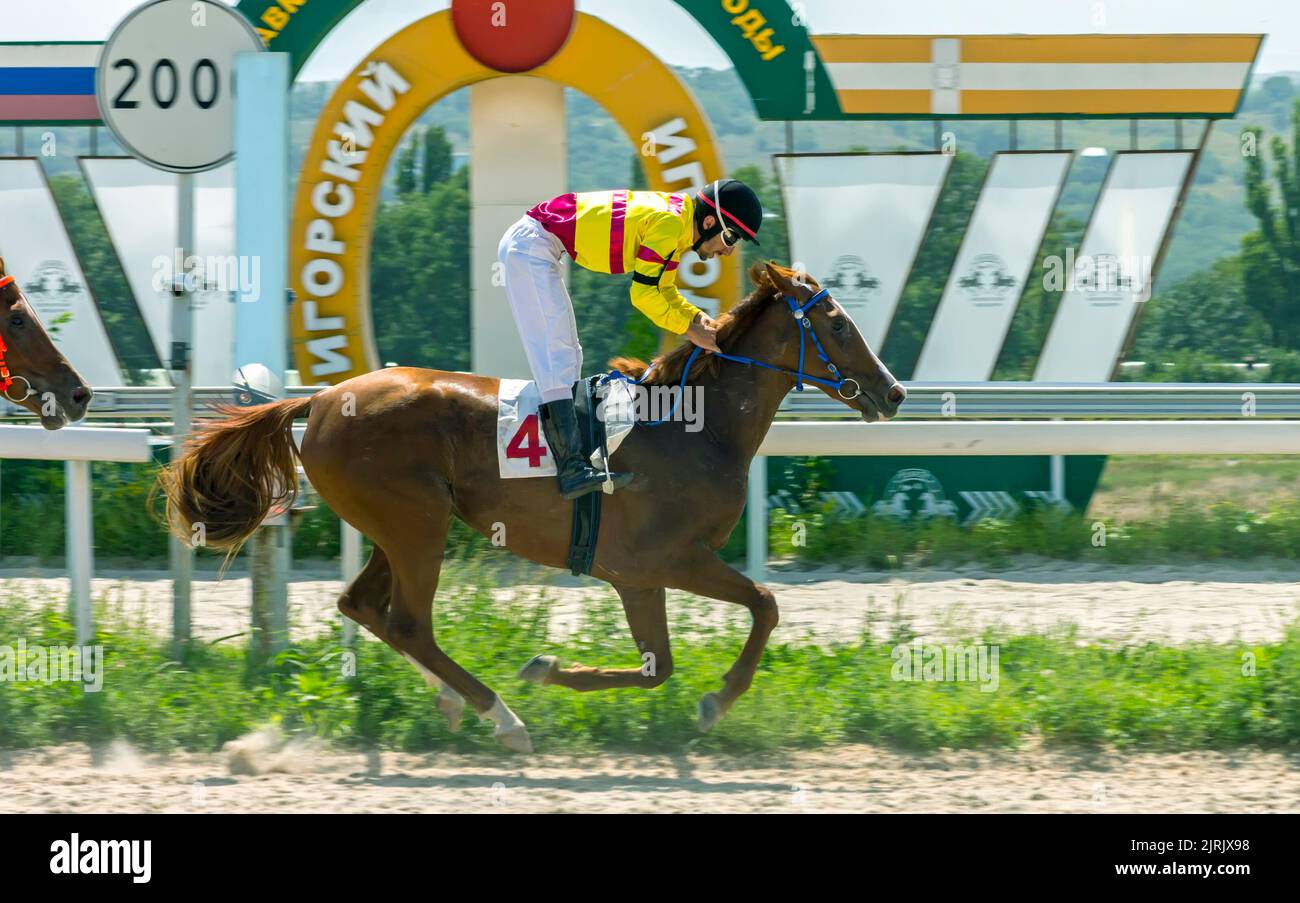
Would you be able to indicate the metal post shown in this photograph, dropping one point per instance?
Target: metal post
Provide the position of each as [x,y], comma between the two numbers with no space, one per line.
[350,549]
[756,521]
[261,315]
[1056,479]
[80,545]
[181,553]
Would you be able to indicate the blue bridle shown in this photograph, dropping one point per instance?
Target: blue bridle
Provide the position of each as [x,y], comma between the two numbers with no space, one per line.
[800,314]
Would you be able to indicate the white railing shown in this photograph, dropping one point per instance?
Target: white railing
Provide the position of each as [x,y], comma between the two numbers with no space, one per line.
[1028,437]
[77,447]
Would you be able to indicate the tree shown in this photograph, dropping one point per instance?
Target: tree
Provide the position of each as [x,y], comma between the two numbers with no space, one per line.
[436,167]
[1203,313]
[773,235]
[406,169]
[420,277]
[1271,255]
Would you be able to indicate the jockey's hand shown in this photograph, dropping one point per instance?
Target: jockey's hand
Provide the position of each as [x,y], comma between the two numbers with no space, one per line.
[703,332]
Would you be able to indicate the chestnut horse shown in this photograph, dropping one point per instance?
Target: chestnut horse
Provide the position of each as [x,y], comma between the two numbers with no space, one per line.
[398,452]
[33,373]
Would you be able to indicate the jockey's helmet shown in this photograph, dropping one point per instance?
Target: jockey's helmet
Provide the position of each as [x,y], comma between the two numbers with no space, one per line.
[737,212]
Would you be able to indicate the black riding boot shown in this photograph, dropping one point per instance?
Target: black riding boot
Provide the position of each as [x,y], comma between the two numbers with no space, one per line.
[575,474]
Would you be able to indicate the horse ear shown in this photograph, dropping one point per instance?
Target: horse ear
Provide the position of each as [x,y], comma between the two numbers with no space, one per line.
[781,280]
[2,266]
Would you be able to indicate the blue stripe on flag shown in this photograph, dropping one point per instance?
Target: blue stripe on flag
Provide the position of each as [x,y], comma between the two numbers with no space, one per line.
[42,80]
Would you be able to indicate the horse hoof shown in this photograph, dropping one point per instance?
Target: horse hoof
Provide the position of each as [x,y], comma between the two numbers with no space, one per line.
[538,669]
[515,739]
[452,708]
[711,712]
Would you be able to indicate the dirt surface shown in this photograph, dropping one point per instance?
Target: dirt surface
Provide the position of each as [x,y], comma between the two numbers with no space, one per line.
[75,778]
[1222,602]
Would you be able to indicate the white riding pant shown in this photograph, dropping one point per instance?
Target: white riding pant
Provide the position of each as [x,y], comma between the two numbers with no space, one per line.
[530,261]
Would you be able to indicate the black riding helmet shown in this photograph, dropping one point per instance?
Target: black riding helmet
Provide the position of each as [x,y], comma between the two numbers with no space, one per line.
[734,207]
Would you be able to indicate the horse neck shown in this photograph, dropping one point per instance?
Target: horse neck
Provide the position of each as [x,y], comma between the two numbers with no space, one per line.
[740,401]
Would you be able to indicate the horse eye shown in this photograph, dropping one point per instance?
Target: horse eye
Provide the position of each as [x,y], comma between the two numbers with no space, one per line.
[15,320]
[837,324]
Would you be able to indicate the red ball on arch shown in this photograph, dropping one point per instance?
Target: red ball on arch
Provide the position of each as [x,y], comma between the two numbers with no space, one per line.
[513,35]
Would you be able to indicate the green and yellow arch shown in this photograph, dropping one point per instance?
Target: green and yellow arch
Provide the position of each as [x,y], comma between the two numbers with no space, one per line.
[338,193]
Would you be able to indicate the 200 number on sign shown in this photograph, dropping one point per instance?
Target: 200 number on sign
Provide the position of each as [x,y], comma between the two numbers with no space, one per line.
[165,82]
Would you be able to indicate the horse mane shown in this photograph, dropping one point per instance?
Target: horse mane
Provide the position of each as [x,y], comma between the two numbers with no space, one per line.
[732,325]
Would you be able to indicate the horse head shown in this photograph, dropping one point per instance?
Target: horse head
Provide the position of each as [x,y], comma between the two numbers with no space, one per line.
[40,378]
[865,384]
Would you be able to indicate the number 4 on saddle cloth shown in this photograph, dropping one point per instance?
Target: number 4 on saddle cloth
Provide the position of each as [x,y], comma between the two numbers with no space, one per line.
[606,415]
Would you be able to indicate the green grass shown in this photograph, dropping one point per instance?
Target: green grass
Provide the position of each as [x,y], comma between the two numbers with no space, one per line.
[1184,533]
[1054,686]
[1188,473]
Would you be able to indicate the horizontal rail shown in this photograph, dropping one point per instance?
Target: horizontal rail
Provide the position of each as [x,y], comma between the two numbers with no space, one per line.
[952,402]
[1140,437]
[74,443]
[965,401]
[1144,401]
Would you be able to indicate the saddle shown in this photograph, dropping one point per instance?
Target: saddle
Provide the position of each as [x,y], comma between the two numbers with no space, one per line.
[586,510]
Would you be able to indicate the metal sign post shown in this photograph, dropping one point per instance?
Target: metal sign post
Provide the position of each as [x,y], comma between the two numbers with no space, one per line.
[165,87]
[181,553]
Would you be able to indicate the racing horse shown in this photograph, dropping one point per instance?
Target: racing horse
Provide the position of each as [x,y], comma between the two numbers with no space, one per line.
[33,373]
[397,452]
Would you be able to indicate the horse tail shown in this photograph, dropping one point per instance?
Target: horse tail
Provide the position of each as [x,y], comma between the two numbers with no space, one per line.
[232,472]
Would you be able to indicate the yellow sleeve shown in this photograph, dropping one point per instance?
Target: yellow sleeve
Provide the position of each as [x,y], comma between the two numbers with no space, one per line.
[654,284]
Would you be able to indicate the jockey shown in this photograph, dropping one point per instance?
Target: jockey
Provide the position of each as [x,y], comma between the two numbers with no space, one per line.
[643,233]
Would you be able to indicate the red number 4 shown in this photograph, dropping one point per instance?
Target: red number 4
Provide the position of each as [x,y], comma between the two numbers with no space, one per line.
[526,443]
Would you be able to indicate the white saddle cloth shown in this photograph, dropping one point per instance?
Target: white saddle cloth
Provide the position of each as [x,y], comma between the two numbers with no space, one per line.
[521,442]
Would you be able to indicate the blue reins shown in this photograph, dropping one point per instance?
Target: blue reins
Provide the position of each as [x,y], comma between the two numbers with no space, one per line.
[799,312]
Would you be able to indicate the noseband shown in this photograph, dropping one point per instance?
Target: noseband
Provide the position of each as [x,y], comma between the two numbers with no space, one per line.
[7,380]
[800,314]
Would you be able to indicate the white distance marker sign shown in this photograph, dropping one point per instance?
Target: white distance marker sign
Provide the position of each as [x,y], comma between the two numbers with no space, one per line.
[165,82]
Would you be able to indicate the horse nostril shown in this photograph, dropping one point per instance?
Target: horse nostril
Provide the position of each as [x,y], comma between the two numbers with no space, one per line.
[81,395]
[897,394]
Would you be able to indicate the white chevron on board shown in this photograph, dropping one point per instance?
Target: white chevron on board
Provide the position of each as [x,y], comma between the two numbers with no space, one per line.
[1049,499]
[996,504]
[846,503]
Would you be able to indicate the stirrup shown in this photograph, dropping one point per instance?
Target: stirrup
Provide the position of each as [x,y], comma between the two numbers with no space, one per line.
[593,480]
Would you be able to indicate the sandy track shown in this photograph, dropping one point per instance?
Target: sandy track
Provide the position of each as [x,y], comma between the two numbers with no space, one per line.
[73,778]
[1170,603]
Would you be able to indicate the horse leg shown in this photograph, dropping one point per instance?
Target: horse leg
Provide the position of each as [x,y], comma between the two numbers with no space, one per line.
[648,619]
[409,629]
[366,601]
[707,575]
